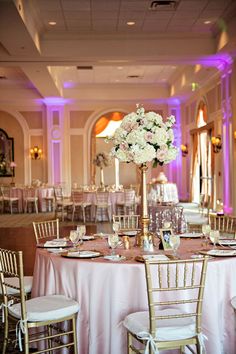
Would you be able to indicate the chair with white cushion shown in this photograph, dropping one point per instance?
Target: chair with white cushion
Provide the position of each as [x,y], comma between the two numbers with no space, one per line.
[54,315]
[48,229]
[9,199]
[79,203]
[30,197]
[175,292]
[62,203]
[102,206]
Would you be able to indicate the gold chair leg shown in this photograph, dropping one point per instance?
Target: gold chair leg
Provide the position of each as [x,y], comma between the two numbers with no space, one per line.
[74,335]
[5,340]
[129,343]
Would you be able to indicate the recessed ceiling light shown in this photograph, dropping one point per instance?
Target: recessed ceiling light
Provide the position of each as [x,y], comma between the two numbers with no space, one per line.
[119,67]
[208,22]
[130,23]
[52,23]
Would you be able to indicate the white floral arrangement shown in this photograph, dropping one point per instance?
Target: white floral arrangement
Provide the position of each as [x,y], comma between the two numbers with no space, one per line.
[102,159]
[144,136]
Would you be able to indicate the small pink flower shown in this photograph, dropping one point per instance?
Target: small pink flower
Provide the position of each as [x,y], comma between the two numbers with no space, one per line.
[148,136]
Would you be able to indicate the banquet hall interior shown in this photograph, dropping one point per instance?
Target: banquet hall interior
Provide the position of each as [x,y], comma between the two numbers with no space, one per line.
[70,72]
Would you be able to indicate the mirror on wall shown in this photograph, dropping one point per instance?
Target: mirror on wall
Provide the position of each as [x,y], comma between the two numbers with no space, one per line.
[6,154]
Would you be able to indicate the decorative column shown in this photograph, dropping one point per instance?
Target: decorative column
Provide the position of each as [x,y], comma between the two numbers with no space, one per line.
[58,144]
[175,172]
[227,136]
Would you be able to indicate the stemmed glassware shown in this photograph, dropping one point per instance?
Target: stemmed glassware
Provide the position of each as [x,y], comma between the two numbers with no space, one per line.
[74,237]
[81,230]
[206,229]
[214,237]
[174,243]
[113,239]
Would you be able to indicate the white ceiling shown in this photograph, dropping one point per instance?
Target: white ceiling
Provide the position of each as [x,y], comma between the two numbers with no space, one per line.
[126,61]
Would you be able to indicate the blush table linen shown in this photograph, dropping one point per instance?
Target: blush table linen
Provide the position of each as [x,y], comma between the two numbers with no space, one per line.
[109,291]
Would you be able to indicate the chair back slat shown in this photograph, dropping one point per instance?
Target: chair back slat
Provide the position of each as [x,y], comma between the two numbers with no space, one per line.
[223,223]
[127,222]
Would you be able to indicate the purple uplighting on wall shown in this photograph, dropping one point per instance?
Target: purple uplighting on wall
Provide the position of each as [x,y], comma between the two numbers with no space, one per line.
[57,101]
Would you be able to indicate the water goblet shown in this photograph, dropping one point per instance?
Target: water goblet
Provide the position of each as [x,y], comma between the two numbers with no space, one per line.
[81,230]
[113,241]
[174,243]
[206,228]
[74,237]
[214,237]
[116,227]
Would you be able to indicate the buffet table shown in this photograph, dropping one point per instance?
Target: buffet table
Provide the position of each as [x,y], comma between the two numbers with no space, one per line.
[109,291]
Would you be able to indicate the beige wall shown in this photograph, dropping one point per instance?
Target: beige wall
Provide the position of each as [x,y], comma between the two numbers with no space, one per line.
[33,119]
[77,166]
[14,130]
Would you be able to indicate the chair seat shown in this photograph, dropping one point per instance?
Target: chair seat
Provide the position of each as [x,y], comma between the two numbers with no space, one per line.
[31,199]
[82,204]
[65,203]
[10,199]
[45,308]
[28,280]
[168,329]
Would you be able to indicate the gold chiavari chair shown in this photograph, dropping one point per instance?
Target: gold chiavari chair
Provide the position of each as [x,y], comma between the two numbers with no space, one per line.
[46,229]
[127,222]
[46,311]
[79,203]
[62,204]
[175,292]
[223,223]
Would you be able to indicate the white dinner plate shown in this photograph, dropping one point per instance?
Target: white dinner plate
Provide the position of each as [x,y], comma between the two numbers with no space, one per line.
[225,242]
[128,233]
[88,238]
[82,254]
[115,258]
[191,234]
[53,244]
[221,253]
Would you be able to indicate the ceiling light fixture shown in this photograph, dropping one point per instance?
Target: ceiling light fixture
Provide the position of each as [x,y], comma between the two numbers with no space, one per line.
[130,23]
[207,22]
[52,23]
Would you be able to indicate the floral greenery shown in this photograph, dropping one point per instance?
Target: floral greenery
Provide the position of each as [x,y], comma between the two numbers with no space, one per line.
[102,159]
[144,136]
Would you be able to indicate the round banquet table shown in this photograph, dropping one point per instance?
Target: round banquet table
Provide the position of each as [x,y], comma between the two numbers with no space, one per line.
[109,291]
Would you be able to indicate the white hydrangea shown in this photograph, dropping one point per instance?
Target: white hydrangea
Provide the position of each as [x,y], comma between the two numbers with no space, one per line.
[144,137]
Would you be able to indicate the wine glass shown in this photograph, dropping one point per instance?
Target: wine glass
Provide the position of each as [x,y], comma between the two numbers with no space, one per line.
[206,229]
[214,237]
[113,240]
[81,230]
[74,237]
[116,227]
[174,243]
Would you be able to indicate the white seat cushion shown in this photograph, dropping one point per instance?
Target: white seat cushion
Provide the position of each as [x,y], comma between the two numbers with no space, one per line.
[44,308]
[28,280]
[167,330]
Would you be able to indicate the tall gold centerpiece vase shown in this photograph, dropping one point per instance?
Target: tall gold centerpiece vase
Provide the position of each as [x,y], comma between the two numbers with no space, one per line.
[141,138]
[144,235]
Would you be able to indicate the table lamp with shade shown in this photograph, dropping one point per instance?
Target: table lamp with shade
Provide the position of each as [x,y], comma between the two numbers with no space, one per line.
[12,166]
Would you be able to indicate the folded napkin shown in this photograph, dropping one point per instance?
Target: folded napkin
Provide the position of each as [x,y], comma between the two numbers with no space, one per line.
[55,244]
[155,257]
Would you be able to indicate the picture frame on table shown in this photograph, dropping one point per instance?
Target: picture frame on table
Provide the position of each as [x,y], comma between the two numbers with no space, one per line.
[165,235]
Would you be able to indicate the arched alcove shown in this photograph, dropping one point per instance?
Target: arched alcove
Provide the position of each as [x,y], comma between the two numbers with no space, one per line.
[98,144]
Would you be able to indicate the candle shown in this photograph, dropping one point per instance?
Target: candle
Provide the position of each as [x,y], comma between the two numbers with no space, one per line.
[117,182]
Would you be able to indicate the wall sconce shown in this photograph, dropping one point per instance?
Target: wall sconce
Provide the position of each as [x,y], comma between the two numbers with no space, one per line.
[235,135]
[36,153]
[184,149]
[216,143]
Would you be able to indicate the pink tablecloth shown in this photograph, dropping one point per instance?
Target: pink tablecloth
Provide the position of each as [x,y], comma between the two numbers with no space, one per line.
[107,292]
